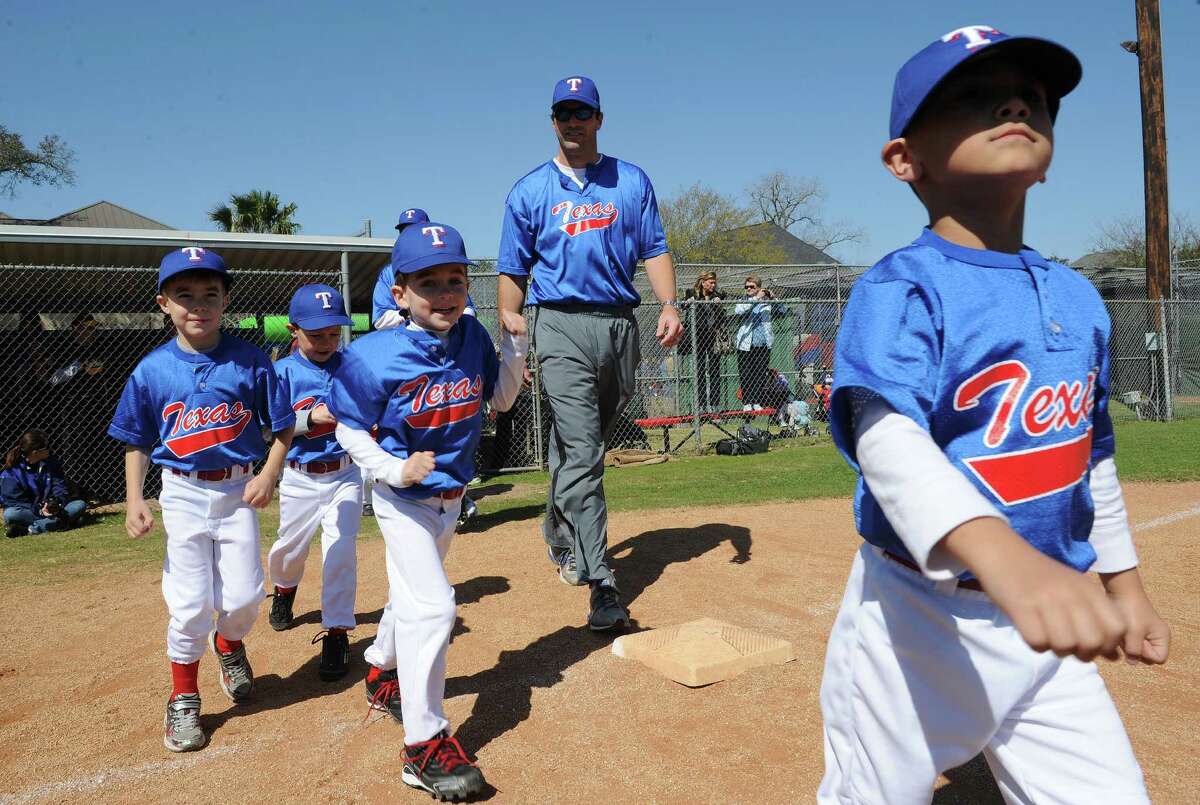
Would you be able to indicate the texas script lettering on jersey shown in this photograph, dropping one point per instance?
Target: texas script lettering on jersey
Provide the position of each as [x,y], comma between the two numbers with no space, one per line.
[578,218]
[193,429]
[437,404]
[1024,475]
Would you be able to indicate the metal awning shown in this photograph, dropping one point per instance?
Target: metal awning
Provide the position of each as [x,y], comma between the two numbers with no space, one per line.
[87,247]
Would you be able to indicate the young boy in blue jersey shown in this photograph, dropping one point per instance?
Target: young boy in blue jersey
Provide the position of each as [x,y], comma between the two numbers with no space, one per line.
[971,393]
[196,406]
[321,487]
[423,385]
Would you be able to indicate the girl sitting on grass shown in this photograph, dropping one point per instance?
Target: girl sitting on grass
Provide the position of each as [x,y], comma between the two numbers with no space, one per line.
[37,496]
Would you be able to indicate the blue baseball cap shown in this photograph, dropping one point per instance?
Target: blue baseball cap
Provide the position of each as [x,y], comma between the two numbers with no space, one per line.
[191,258]
[429,244]
[576,88]
[317,306]
[1053,64]
[412,215]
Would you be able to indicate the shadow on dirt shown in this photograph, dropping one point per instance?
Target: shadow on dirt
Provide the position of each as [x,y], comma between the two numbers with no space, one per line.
[505,690]
[273,692]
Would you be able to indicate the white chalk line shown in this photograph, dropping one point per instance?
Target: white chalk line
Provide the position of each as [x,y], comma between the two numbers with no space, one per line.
[1167,519]
[83,785]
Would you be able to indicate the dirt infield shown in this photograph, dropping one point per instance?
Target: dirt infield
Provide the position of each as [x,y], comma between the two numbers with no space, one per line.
[551,714]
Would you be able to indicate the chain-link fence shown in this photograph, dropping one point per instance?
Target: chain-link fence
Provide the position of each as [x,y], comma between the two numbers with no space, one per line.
[75,334]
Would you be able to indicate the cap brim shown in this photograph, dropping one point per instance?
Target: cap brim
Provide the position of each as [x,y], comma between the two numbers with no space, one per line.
[321,322]
[576,99]
[425,261]
[1054,65]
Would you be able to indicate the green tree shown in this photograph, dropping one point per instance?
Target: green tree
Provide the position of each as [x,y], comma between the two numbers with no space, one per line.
[49,164]
[255,211]
[700,224]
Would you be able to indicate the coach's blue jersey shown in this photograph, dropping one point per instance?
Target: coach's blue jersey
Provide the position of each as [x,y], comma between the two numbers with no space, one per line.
[306,385]
[422,394]
[202,411]
[581,246]
[382,300]
[1004,359]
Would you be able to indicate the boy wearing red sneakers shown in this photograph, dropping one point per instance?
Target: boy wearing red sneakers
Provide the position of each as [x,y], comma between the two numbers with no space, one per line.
[197,406]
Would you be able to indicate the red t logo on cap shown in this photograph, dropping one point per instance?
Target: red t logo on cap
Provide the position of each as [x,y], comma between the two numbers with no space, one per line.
[974,35]
[436,232]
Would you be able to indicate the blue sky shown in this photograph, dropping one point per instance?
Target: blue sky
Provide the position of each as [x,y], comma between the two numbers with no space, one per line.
[357,110]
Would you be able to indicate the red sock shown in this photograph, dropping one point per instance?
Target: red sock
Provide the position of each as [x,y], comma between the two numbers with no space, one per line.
[374,673]
[284,590]
[183,677]
[225,646]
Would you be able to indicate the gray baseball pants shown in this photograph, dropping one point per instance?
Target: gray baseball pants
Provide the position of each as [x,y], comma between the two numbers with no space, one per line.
[588,357]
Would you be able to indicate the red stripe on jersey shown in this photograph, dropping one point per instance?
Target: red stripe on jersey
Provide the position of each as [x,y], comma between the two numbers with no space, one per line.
[437,417]
[192,443]
[1027,475]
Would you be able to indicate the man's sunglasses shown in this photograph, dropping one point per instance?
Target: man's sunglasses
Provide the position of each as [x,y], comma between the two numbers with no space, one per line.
[751,287]
[579,113]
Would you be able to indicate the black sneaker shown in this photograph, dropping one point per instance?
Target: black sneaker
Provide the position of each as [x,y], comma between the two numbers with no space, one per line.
[281,610]
[384,694]
[235,675]
[368,510]
[607,612]
[335,654]
[441,767]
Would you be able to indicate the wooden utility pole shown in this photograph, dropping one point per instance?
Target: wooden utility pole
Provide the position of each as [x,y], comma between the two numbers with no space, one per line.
[1154,151]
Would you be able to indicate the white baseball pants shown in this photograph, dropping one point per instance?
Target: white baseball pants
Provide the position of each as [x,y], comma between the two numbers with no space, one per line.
[414,631]
[920,676]
[333,502]
[212,564]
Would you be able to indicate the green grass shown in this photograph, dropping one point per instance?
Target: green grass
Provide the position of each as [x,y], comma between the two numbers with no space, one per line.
[1146,451]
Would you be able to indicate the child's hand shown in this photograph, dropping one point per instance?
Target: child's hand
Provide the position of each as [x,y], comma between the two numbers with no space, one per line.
[1054,607]
[138,519]
[259,490]
[320,416]
[417,468]
[1148,638]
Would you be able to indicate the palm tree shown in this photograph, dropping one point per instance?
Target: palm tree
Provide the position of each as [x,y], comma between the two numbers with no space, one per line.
[256,211]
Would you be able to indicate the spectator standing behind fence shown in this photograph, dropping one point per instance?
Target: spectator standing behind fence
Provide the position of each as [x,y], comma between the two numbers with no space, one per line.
[709,321]
[575,228]
[37,495]
[753,341]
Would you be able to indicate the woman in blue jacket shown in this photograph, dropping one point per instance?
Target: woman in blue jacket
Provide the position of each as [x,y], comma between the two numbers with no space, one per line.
[37,497]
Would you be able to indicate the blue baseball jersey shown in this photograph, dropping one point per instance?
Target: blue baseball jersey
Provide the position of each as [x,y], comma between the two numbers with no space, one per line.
[581,246]
[423,395]
[382,300]
[202,411]
[1004,359]
[306,385]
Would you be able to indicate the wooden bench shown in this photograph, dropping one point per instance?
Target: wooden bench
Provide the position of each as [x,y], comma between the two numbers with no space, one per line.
[714,419]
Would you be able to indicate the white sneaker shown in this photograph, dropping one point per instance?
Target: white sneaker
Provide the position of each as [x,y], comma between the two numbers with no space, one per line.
[757,407]
[747,407]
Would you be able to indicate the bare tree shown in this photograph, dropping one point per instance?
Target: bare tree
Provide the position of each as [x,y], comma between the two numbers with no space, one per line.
[795,201]
[702,226]
[1125,239]
[49,164]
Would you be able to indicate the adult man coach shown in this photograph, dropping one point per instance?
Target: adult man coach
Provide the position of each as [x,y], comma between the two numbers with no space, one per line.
[574,230]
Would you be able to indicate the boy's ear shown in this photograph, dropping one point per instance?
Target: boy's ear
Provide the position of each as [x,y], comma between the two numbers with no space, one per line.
[398,294]
[161,301]
[900,160]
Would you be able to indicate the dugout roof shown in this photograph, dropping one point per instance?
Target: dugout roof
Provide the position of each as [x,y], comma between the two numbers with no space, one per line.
[88,247]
